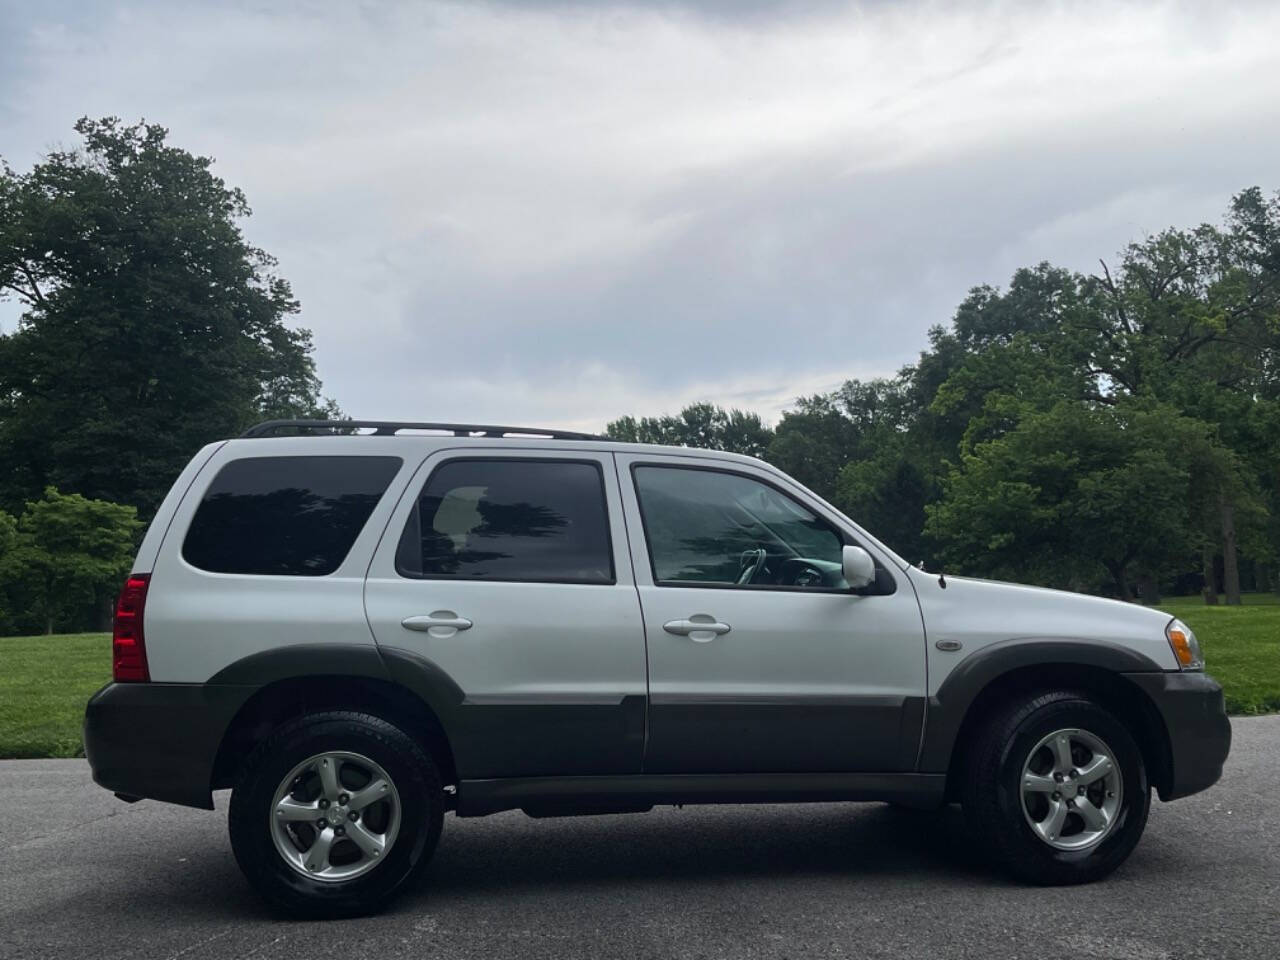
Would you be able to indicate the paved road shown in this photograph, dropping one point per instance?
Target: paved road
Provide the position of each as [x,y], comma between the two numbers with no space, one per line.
[86,876]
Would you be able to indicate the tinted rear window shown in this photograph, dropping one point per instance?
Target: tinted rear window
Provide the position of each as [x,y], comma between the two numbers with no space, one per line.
[285,516]
[520,519]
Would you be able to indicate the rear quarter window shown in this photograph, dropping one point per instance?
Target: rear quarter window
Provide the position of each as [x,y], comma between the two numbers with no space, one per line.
[285,516]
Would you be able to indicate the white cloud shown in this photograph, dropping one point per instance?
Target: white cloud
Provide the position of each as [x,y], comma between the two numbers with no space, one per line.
[567,212]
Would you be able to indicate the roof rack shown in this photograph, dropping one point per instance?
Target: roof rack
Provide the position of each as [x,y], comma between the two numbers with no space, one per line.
[389,428]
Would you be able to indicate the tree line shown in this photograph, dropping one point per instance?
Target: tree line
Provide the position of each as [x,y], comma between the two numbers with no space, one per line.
[1112,432]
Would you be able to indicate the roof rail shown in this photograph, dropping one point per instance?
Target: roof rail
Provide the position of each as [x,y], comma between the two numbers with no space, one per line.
[389,428]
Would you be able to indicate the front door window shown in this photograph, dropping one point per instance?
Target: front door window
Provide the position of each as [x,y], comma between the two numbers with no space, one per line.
[727,529]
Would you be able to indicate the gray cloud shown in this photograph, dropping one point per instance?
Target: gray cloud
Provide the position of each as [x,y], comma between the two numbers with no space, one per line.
[543,212]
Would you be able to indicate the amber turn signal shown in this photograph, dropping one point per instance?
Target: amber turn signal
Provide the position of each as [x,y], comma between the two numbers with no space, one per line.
[1184,644]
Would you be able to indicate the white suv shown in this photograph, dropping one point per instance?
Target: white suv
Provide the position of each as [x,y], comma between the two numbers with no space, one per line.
[360,631]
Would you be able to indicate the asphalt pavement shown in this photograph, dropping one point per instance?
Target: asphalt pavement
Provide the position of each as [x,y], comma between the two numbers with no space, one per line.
[85,875]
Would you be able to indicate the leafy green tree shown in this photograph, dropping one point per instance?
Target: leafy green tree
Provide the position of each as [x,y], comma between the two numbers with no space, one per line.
[9,571]
[1188,316]
[150,325]
[887,491]
[698,425]
[814,442]
[1080,491]
[70,556]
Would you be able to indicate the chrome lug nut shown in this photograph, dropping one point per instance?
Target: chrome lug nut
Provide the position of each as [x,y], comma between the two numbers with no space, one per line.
[1056,795]
[340,831]
[324,803]
[342,799]
[353,816]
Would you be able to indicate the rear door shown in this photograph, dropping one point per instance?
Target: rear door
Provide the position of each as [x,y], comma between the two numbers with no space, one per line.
[761,659]
[507,571]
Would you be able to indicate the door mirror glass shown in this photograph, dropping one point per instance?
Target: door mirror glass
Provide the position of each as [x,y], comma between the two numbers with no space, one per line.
[859,569]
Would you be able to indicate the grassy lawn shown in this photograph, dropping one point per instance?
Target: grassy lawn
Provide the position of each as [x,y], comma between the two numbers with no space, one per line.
[45,681]
[44,684]
[1241,647]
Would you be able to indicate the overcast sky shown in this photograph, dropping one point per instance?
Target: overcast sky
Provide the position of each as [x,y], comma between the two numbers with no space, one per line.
[562,212]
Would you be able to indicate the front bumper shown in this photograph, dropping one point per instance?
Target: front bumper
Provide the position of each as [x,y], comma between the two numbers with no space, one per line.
[159,740]
[1191,706]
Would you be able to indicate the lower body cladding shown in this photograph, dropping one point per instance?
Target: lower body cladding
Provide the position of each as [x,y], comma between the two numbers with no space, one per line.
[162,741]
[159,740]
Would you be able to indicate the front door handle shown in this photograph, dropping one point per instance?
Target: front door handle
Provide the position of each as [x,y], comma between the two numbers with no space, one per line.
[439,623]
[700,628]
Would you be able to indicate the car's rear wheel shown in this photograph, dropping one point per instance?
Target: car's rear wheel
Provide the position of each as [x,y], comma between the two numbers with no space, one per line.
[1056,788]
[334,814]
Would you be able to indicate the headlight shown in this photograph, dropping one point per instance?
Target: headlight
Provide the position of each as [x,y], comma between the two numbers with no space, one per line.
[1185,647]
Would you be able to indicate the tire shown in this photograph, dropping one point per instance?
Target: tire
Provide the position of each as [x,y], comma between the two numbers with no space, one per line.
[1015,817]
[355,878]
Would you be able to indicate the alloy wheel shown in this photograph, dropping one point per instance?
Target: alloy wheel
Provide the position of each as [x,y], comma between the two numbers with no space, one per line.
[335,816]
[1071,789]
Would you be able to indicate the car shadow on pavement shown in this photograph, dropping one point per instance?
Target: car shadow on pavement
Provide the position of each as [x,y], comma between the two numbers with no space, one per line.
[703,843]
[511,854]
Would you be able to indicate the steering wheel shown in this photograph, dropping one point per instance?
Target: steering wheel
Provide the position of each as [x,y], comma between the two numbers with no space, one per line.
[807,576]
[752,563]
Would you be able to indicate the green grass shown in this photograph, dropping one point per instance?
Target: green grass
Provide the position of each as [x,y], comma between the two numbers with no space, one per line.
[45,681]
[1241,647]
[44,684]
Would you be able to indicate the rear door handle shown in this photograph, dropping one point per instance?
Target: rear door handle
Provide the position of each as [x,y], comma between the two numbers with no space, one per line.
[439,623]
[700,628]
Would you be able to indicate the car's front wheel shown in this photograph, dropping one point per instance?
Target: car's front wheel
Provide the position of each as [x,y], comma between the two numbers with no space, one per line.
[334,814]
[1056,788]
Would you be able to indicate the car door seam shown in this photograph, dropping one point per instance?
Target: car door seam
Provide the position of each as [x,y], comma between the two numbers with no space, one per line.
[644,627]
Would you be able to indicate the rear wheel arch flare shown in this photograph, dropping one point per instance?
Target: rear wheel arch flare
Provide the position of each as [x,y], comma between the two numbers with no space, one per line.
[283,699]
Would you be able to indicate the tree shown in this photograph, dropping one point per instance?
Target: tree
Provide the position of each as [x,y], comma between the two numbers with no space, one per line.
[698,425]
[1189,317]
[1193,317]
[814,442]
[150,325]
[9,571]
[71,555]
[1081,490]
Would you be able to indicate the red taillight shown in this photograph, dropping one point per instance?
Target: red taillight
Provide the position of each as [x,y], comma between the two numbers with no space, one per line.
[128,652]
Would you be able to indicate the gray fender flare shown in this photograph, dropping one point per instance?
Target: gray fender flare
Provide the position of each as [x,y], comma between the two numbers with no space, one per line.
[966,681]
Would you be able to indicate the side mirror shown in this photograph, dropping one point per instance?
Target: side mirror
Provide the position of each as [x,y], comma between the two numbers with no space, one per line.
[857,566]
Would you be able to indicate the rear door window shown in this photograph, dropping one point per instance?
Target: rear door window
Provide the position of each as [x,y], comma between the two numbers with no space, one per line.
[516,519]
[285,516]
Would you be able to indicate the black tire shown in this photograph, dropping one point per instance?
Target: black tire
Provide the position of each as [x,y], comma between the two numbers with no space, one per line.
[991,790]
[416,781]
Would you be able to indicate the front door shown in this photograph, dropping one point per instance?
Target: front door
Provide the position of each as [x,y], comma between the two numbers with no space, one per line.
[761,659]
[503,577]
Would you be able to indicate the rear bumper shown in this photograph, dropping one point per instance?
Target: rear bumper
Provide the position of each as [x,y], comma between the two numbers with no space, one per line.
[159,740]
[1195,719]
